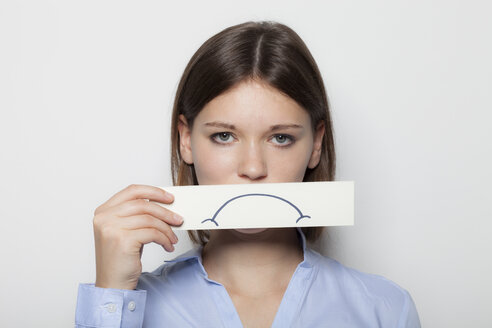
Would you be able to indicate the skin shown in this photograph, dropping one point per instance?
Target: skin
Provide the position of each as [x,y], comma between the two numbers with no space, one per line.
[252,133]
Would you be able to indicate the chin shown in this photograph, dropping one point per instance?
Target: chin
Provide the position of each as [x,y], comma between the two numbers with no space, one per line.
[251,230]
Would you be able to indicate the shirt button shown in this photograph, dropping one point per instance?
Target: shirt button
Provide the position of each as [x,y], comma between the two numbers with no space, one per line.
[132,306]
[111,307]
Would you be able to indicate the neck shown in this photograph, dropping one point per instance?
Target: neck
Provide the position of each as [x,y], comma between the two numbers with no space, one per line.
[237,259]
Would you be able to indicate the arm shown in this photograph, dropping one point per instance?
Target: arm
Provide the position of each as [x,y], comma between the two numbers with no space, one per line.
[409,317]
[108,307]
[122,225]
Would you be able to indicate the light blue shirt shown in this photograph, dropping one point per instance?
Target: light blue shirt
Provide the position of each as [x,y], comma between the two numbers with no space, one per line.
[322,293]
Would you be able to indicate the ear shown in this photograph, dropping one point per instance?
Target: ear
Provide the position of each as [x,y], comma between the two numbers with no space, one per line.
[184,140]
[318,142]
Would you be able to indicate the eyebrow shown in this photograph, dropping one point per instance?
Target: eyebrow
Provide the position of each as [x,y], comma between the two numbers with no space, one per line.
[221,125]
[275,127]
[285,126]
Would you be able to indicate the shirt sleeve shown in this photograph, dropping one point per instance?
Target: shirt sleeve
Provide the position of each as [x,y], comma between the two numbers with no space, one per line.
[107,307]
[410,317]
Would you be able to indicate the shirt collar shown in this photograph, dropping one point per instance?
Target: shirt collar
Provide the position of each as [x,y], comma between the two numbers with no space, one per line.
[196,254]
[308,258]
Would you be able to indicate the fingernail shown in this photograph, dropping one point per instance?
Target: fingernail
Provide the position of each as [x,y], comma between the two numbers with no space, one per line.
[169,196]
[178,218]
[175,239]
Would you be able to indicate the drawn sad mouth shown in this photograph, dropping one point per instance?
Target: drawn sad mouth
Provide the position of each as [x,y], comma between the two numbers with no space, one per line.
[214,217]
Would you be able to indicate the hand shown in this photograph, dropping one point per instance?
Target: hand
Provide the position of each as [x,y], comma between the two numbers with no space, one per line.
[122,225]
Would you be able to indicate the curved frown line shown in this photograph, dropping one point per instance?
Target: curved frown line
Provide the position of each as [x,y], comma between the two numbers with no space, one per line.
[301,216]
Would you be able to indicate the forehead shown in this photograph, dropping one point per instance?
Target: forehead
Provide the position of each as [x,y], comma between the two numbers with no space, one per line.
[254,101]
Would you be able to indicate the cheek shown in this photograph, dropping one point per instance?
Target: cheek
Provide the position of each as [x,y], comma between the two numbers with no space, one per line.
[213,165]
[290,166]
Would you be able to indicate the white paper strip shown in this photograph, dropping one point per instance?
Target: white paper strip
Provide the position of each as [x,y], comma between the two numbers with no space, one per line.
[267,205]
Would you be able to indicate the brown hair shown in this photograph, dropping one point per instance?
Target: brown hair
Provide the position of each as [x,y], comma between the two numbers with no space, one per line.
[265,51]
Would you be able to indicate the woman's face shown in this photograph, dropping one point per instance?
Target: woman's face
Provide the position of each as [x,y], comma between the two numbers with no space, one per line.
[252,133]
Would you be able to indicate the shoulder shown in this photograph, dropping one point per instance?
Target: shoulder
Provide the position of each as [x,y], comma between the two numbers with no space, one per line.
[365,292]
[371,285]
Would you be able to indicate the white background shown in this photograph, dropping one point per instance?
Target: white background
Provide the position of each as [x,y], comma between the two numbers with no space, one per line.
[86,90]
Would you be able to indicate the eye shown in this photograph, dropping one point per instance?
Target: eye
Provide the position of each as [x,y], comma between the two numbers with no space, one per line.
[282,139]
[222,137]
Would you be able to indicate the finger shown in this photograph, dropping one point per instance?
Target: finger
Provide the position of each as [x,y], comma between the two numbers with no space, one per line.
[135,191]
[147,221]
[141,206]
[148,235]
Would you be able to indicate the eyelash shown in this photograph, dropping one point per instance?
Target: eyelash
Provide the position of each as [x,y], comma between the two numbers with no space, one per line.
[214,137]
[291,140]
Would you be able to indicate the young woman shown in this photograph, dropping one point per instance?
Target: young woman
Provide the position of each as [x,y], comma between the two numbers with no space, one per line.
[250,108]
